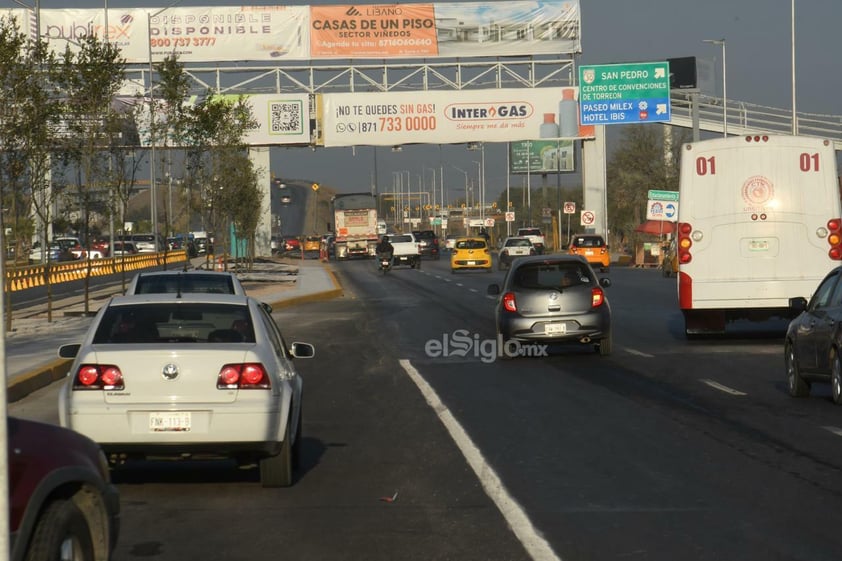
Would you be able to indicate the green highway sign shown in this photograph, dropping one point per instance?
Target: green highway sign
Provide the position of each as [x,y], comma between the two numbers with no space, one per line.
[657,195]
[624,93]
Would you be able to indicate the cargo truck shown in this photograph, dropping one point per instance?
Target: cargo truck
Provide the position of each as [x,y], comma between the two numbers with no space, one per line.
[355,225]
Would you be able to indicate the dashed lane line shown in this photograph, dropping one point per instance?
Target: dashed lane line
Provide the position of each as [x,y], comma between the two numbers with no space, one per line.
[835,430]
[536,546]
[720,387]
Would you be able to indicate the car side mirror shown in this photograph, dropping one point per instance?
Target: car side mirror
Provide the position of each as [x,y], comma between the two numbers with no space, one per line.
[798,304]
[302,350]
[69,351]
[604,281]
[493,289]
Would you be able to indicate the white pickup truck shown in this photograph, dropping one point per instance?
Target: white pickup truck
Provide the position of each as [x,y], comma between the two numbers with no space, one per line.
[406,250]
[535,236]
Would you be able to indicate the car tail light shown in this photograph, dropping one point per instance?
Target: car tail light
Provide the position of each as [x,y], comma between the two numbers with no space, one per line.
[597,297]
[98,377]
[245,376]
[509,303]
[834,238]
[684,243]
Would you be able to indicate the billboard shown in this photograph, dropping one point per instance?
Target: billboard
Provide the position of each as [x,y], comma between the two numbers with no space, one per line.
[281,119]
[443,117]
[541,156]
[358,31]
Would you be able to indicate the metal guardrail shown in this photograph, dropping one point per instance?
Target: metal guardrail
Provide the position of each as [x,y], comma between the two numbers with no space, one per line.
[749,118]
[22,278]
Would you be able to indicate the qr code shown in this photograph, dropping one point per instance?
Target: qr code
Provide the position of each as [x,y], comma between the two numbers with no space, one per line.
[285,117]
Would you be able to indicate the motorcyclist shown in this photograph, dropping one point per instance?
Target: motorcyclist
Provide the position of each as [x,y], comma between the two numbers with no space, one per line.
[385,249]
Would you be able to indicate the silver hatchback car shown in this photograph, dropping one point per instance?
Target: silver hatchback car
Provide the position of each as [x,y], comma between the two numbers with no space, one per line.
[552,299]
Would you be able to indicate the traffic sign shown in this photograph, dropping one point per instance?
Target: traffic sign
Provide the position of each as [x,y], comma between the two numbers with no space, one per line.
[588,218]
[569,208]
[510,216]
[657,195]
[624,93]
[662,210]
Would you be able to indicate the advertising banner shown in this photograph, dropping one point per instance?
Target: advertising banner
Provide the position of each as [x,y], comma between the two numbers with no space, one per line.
[281,119]
[541,156]
[442,117]
[356,31]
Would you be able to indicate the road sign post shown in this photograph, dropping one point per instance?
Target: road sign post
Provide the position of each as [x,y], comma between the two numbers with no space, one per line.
[624,93]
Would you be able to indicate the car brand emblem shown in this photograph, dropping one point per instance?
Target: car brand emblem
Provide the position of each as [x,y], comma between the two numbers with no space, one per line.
[553,296]
[170,371]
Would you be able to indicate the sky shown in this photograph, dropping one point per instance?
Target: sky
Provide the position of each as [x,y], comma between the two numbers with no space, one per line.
[758,49]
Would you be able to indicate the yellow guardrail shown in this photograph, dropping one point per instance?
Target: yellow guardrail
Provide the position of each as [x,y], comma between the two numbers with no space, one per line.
[21,278]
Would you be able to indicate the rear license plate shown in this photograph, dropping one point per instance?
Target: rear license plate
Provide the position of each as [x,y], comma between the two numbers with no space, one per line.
[758,245]
[588,252]
[472,262]
[178,421]
[555,328]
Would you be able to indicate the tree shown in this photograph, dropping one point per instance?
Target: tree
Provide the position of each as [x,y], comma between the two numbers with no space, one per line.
[642,161]
[90,80]
[217,158]
[29,119]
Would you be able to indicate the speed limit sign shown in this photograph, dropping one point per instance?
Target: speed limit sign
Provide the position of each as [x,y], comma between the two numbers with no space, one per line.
[588,217]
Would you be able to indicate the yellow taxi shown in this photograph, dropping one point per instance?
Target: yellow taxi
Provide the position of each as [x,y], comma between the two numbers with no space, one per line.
[470,253]
[593,248]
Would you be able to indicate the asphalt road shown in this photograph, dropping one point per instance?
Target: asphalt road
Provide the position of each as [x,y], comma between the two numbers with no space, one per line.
[668,449]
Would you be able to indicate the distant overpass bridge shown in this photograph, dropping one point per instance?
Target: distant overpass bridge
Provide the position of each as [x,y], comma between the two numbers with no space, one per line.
[748,118]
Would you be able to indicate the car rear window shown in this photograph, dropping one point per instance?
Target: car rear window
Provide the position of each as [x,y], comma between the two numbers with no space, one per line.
[175,323]
[400,239]
[208,284]
[550,276]
[588,241]
[470,244]
[518,243]
[529,232]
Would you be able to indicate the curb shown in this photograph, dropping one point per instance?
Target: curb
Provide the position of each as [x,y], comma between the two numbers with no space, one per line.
[43,376]
[335,292]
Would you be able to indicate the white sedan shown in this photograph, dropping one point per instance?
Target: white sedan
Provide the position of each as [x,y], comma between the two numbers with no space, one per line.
[182,376]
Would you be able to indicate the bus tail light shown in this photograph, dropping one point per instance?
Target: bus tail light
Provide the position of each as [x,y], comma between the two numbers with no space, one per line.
[834,238]
[684,243]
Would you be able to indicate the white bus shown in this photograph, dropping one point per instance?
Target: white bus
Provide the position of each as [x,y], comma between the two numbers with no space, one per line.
[759,222]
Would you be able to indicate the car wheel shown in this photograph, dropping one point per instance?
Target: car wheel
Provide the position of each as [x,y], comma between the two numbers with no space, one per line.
[276,471]
[836,378]
[62,532]
[604,345]
[798,386]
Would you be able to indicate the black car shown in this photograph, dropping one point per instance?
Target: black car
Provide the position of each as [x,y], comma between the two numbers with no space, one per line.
[548,299]
[429,243]
[814,339]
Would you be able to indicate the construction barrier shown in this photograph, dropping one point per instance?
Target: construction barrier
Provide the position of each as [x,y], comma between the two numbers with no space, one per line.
[22,278]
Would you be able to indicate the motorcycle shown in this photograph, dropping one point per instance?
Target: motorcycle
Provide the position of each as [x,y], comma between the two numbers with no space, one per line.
[385,263]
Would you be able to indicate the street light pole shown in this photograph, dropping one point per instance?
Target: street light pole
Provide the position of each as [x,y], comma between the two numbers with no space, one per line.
[721,43]
[794,114]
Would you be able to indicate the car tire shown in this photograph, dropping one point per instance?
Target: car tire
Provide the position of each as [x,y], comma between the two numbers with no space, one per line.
[798,386]
[604,345]
[836,378]
[61,529]
[276,471]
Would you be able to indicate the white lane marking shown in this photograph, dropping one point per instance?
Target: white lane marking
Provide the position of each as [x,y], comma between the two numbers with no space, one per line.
[536,546]
[447,280]
[459,284]
[835,430]
[490,297]
[473,290]
[638,353]
[720,387]
[438,277]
